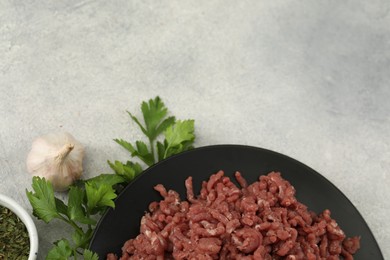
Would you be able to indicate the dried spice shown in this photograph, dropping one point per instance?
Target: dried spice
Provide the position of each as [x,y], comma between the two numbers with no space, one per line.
[14,240]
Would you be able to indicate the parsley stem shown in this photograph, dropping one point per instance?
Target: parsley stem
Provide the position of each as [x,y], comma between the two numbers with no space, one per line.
[88,216]
[73,224]
[152,150]
[166,152]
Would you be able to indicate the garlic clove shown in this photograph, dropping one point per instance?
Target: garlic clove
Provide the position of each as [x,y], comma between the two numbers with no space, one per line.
[58,157]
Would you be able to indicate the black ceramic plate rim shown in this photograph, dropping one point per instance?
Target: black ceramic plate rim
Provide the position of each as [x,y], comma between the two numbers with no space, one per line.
[230,146]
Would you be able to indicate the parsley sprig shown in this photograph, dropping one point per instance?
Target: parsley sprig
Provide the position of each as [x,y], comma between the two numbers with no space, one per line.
[89,199]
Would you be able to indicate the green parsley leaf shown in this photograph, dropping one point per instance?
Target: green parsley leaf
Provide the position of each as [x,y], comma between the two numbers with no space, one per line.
[161,147]
[118,167]
[61,207]
[141,151]
[165,124]
[127,171]
[179,137]
[89,255]
[128,146]
[98,197]
[138,123]
[61,251]
[43,200]
[154,112]
[82,239]
[76,211]
[106,178]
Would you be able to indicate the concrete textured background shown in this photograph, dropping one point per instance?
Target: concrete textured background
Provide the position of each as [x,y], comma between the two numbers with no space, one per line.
[309,79]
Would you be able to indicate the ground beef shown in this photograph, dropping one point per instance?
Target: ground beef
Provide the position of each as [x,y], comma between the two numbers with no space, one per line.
[262,220]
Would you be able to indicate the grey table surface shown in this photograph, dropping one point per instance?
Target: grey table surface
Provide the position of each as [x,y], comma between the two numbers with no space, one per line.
[309,79]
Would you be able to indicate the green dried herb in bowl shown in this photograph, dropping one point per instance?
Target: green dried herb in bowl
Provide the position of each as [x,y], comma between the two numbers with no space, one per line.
[18,234]
[14,241]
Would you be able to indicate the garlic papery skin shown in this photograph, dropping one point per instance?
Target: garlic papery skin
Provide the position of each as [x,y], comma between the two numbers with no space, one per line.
[58,157]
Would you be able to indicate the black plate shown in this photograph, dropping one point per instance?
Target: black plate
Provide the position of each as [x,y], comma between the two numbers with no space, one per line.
[122,223]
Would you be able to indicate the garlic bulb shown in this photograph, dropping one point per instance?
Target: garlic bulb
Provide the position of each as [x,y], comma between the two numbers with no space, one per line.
[58,158]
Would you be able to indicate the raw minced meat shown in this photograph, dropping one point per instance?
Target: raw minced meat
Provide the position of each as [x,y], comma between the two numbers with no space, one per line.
[262,220]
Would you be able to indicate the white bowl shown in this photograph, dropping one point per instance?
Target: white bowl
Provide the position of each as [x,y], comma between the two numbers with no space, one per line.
[27,220]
